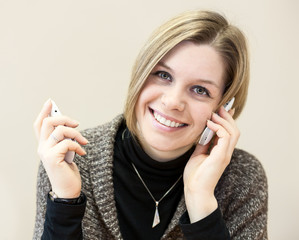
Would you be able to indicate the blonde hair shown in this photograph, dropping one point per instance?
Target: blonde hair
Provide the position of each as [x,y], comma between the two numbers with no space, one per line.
[201,27]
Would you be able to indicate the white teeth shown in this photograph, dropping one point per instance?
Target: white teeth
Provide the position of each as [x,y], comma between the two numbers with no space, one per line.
[166,122]
[163,120]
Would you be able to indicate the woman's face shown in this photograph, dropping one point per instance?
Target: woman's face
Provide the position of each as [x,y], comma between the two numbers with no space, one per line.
[178,97]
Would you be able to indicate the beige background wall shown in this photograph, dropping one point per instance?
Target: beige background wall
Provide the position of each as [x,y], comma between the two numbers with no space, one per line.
[80,54]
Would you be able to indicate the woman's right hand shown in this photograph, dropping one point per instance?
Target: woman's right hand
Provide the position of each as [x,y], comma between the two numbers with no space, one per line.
[52,134]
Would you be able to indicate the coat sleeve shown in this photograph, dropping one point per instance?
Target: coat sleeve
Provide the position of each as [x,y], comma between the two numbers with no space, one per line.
[244,197]
[43,187]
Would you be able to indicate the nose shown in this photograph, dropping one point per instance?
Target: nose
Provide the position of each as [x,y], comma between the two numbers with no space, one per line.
[173,99]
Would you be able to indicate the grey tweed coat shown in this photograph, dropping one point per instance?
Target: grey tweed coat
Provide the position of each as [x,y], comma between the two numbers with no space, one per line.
[241,192]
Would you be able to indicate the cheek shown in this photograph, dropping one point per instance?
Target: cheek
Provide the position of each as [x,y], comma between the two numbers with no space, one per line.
[140,106]
[200,115]
[148,94]
[144,99]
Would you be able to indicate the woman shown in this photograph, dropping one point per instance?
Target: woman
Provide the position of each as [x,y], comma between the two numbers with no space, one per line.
[143,175]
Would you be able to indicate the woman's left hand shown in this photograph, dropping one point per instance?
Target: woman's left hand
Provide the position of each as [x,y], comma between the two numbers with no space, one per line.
[204,170]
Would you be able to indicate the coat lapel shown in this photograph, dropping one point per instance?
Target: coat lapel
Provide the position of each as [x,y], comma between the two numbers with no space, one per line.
[174,224]
[102,177]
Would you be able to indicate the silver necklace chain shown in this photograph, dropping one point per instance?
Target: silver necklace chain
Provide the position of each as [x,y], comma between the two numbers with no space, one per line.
[156,220]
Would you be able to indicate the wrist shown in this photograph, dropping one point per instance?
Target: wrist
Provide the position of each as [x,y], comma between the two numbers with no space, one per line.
[200,206]
[65,194]
[71,201]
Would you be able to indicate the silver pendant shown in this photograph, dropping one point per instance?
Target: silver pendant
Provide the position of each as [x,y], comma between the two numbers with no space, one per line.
[156,217]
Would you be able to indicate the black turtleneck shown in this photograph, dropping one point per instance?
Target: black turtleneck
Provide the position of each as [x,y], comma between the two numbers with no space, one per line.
[135,206]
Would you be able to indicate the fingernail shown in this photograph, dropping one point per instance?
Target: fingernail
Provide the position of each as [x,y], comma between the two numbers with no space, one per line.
[47,101]
[76,122]
[233,110]
[215,114]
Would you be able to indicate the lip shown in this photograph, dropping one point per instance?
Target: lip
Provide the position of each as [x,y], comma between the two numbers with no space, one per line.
[152,111]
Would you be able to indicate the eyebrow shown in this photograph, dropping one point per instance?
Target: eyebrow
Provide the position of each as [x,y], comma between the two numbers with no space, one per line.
[206,81]
[164,65]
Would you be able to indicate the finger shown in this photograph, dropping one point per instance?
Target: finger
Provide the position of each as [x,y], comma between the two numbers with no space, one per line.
[229,124]
[68,145]
[222,138]
[200,149]
[226,115]
[46,109]
[61,132]
[224,142]
[50,123]
[218,129]
[232,112]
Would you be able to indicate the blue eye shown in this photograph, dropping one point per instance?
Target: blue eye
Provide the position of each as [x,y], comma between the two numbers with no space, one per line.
[164,75]
[199,90]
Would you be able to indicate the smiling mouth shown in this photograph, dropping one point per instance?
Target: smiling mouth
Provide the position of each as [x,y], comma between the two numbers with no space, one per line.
[166,122]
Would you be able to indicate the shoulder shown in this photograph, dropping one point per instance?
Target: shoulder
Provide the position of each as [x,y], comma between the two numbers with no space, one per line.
[100,142]
[246,168]
[243,179]
[105,130]
[102,136]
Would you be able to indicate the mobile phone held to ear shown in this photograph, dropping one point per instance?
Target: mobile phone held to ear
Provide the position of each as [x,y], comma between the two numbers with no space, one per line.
[208,134]
[69,156]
